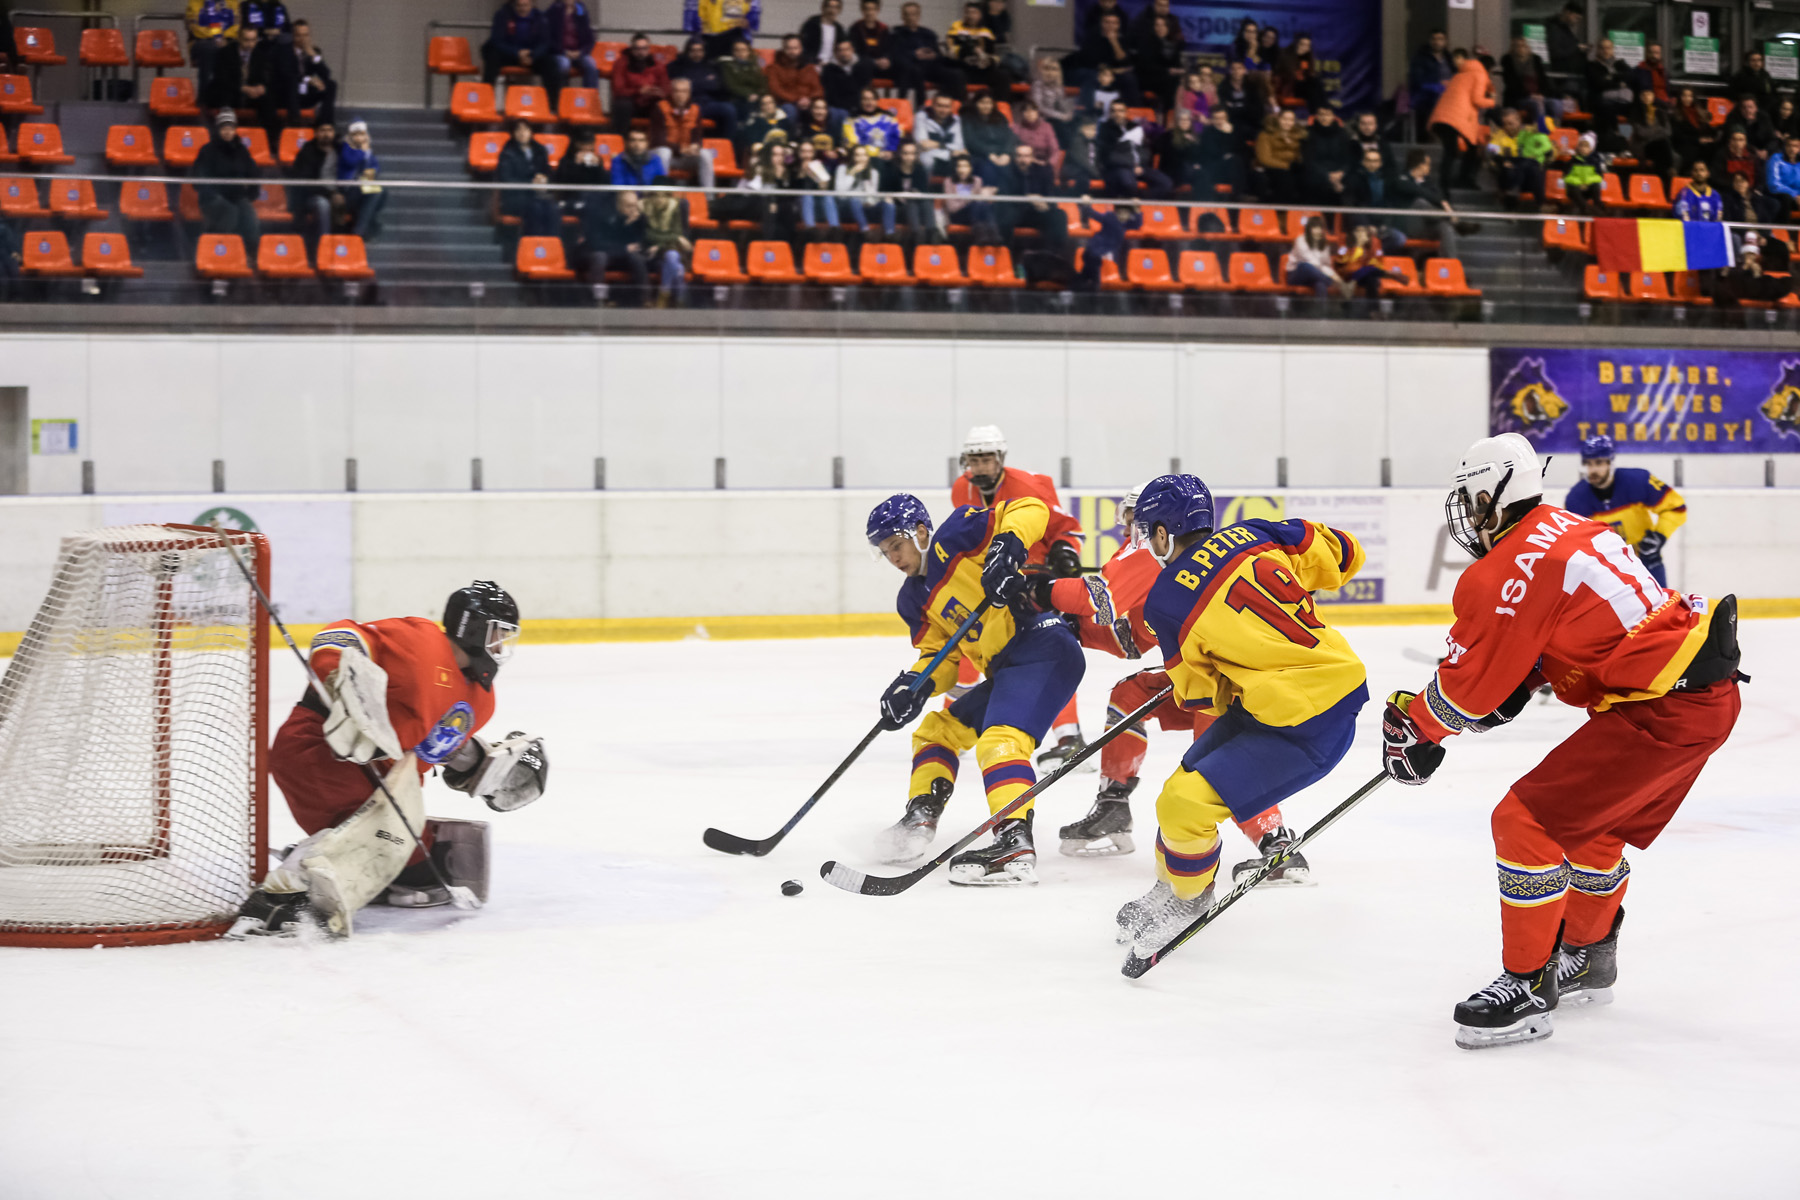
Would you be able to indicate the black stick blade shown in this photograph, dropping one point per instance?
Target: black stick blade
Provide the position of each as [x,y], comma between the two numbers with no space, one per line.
[1135,967]
[731,843]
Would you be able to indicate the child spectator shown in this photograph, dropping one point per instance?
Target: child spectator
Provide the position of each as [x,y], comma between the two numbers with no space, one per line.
[743,75]
[572,41]
[364,198]
[228,207]
[989,139]
[667,246]
[1309,262]
[524,160]
[639,83]
[1198,93]
[1359,262]
[793,80]
[873,126]
[1584,179]
[1699,200]
[638,166]
[857,182]
[1107,240]
[520,37]
[1518,153]
[962,185]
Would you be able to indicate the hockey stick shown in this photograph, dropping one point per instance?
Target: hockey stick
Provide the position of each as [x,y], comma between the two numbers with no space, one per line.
[1135,966]
[852,880]
[461,897]
[731,843]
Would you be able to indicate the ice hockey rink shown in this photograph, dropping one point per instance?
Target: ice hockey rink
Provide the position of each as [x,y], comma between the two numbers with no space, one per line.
[634,1015]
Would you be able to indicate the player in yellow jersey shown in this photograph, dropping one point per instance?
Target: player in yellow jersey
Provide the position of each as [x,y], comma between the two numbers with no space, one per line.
[1233,612]
[1643,508]
[1030,660]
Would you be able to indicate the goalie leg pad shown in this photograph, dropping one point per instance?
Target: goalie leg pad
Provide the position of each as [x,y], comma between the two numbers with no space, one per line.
[461,849]
[344,867]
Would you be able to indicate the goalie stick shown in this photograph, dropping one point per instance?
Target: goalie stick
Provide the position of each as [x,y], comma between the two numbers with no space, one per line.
[461,897]
[731,843]
[852,880]
[1135,967]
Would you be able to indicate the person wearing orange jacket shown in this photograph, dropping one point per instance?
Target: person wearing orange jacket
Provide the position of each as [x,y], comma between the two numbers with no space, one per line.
[1456,118]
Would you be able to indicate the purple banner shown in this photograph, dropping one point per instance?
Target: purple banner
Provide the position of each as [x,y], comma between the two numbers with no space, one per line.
[1661,401]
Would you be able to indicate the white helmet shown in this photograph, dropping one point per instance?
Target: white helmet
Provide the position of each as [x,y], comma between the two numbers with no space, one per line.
[1133,535]
[984,439]
[1496,473]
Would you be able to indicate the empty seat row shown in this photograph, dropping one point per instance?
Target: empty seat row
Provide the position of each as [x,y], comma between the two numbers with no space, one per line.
[1652,287]
[103,256]
[74,200]
[282,256]
[158,48]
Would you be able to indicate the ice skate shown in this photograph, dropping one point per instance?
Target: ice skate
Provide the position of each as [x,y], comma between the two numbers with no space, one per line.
[1154,919]
[1292,873]
[1508,1011]
[1585,974]
[274,914]
[1067,746]
[1105,830]
[415,887]
[1009,859]
[907,838]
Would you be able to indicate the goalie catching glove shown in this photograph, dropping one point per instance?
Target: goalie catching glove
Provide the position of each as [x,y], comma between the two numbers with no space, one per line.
[356,725]
[505,776]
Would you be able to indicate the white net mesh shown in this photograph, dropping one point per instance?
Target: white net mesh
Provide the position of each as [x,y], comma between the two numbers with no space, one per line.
[130,721]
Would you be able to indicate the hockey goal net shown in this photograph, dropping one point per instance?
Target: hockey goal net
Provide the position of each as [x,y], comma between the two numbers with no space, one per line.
[133,719]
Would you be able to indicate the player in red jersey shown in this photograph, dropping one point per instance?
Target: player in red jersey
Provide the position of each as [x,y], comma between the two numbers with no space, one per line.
[1557,598]
[987,480]
[404,695]
[1106,830]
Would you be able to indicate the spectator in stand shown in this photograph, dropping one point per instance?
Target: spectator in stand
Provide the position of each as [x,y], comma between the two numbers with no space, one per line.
[820,120]
[793,79]
[1787,118]
[1691,131]
[989,139]
[820,35]
[1752,79]
[1567,52]
[1278,158]
[722,22]
[1366,132]
[905,172]
[1415,190]
[1456,118]
[1052,99]
[1099,92]
[639,83]
[638,166]
[314,86]
[938,130]
[1080,165]
[1755,125]
[12,259]
[1783,178]
[707,86]
[768,124]
[1309,262]
[317,198]
[1518,152]
[268,17]
[1297,75]
[1178,152]
[1650,142]
[228,207]
[667,246]
[812,171]
[1221,158]
[1268,49]
[1030,129]
[1123,151]
[922,60]
[1749,280]
[1699,200]
[1198,93]
[774,215]
[1156,58]
[961,187]
[1327,157]
[874,127]
[1525,84]
[675,129]
[1652,74]
[1745,203]
[8,48]
[1737,158]
[999,21]
[571,42]
[973,48]
[253,78]
[1028,176]
[1108,48]
[1106,241]
[1609,92]
[857,182]
[1244,46]
[1372,186]
[520,37]
[845,77]
[525,160]
[1358,263]
[874,45]
[582,167]
[744,79]
[211,26]
[1428,74]
[612,239]
[1585,176]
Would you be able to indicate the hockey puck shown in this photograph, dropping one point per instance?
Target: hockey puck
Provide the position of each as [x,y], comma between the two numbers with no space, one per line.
[792,888]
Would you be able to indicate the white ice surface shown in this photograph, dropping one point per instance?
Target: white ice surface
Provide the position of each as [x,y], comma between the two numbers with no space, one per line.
[637,1016]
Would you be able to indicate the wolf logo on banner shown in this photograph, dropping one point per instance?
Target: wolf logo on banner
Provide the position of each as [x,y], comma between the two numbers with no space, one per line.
[1783,405]
[1527,400]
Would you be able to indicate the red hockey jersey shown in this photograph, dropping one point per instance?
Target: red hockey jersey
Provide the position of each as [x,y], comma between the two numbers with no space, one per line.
[433,707]
[1017,485]
[1128,574]
[1561,596]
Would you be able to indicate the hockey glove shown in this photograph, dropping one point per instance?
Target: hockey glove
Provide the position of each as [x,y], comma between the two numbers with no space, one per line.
[1000,577]
[1408,756]
[901,702]
[1065,560]
[505,776]
[1651,548]
[1509,708]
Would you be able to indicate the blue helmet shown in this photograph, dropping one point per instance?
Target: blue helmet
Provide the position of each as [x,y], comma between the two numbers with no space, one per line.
[1598,446]
[899,513]
[1181,504]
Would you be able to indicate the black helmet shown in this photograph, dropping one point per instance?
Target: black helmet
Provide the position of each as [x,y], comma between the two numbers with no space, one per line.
[484,621]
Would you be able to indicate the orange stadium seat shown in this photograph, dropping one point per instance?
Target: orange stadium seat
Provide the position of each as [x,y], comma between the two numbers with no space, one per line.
[1224,216]
[1554,191]
[1250,272]
[698,217]
[1564,139]
[1444,277]
[282,256]
[473,104]
[221,256]
[605,54]
[103,48]
[540,260]
[40,145]
[901,109]
[555,146]
[19,198]
[1566,235]
[992,267]
[172,97]
[716,261]
[1297,219]
[1600,285]
[484,150]
[292,138]
[74,200]
[37,47]
[272,205]
[1149,269]
[1720,107]
[1408,284]
[1161,222]
[188,205]
[1079,227]
[181,144]
[344,256]
[144,202]
[883,263]
[1612,193]
[15,97]
[131,146]
[1110,279]
[825,262]
[256,139]
[611,145]
[1199,271]
[159,49]
[528,104]
[725,164]
[1646,192]
[108,256]
[7,157]
[771,262]
[1687,289]
[47,253]
[1260,225]
[450,56]
[1647,287]
[579,107]
[937,266]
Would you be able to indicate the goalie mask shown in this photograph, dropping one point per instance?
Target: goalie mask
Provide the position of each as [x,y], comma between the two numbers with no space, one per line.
[1496,473]
[483,620]
[984,440]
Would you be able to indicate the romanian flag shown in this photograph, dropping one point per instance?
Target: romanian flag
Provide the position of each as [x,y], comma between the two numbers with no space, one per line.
[1628,245]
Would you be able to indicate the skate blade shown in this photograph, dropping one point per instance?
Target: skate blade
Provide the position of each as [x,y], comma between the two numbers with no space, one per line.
[1534,1028]
[245,928]
[1594,996]
[1117,843]
[1013,874]
[896,851]
[415,897]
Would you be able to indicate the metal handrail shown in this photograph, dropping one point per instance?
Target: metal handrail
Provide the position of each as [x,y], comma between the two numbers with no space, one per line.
[64,14]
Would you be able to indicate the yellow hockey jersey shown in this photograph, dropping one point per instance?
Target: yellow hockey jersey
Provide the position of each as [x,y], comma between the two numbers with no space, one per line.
[1235,617]
[1636,503]
[935,604]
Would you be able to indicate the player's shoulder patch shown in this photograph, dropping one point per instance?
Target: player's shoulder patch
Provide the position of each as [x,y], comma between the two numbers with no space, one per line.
[451,730]
[343,639]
